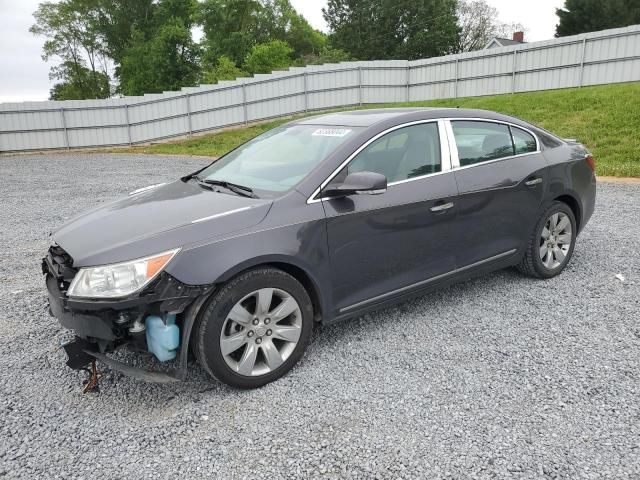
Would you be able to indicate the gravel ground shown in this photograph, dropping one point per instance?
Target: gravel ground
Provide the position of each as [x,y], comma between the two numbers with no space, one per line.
[498,377]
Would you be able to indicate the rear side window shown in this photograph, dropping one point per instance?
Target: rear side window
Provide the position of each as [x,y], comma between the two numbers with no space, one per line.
[523,141]
[481,141]
[403,154]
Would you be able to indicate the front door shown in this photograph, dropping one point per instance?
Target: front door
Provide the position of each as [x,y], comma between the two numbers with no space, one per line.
[381,245]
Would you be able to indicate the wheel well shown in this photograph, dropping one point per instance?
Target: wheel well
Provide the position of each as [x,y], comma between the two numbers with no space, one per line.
[572,203]
[296,272]
[308,284]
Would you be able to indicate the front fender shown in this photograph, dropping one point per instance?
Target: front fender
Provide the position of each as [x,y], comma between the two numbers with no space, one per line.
[302,246]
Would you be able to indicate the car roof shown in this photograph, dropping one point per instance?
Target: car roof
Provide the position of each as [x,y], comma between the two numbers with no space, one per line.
[370,117]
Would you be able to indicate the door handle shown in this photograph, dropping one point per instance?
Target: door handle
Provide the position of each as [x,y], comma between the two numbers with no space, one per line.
[533,182]
[442,208]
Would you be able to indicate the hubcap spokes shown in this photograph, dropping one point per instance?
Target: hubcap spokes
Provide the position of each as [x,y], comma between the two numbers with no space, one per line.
[261,331]
[555,240]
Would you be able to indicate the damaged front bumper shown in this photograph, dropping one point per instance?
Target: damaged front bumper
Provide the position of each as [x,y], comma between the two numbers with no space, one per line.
[103,326]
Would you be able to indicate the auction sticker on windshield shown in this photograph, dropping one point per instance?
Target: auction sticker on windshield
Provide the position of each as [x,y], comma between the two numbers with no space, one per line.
[331,132]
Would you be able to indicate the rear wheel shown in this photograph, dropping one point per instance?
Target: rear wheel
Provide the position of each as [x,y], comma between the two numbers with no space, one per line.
[551,246]
[255,329]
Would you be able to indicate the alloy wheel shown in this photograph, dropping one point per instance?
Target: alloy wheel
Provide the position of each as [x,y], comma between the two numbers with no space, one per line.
[261,331]
[555,240]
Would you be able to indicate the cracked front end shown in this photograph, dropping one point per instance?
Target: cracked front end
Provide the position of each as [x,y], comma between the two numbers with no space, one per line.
[150,319]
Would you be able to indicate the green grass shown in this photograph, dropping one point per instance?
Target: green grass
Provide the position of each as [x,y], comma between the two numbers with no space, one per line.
[209,145]
[605,118]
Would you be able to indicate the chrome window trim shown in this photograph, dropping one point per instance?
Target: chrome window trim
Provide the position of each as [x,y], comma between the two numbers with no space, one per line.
[390,205]
[454,146]
[513,139]
[445,156]
[495,160]
[450,159]
[413,179]
[488,120]
[445,151]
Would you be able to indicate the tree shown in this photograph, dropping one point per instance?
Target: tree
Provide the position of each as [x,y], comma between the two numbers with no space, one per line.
[78,82]
[280,21]
[70,27]
[224,69]
[386,29]
[479,23]
[168,61]
[302,37]
[118,19]
[233,27]
[326,55]
[267,57]
[149,45]
[149,41]
[582,16]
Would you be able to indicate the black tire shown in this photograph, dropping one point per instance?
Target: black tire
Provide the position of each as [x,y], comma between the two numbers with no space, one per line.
[531,264]
[209,328]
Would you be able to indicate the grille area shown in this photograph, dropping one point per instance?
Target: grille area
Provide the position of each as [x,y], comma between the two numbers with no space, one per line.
[60,256]
[59,264]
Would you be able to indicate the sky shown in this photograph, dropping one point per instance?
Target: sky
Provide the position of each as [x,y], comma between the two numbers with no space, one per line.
[24,76]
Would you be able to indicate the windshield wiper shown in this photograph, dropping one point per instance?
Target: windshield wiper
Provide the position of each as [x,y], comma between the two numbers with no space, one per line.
[235,188]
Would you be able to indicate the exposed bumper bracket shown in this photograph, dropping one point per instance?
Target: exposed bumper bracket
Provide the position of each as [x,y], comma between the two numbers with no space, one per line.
[146,375]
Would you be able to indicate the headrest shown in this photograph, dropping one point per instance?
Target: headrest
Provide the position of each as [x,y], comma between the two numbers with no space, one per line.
[496,144]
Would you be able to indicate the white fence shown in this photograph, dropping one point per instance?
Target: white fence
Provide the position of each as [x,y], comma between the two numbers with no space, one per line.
[610,56]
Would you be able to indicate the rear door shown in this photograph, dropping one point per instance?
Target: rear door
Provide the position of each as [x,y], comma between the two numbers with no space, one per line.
[501,175]
[380,244]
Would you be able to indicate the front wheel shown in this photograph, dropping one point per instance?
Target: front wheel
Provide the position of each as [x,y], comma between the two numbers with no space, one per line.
[551,246]
[255,329]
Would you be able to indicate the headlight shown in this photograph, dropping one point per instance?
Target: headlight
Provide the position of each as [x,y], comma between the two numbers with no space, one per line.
[119,279]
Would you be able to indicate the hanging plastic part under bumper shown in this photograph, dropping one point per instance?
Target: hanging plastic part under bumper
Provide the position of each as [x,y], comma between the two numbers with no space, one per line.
[78,351]
[170,376]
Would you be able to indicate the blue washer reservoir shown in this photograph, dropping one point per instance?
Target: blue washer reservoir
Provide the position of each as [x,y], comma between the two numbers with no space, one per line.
[162,339]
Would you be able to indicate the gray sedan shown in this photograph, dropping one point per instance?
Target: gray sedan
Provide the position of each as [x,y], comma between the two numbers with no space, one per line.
[318,220]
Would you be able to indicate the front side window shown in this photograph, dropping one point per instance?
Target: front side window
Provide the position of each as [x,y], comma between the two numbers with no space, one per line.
[481,141]
[406,153]
[279,159]
[523,141]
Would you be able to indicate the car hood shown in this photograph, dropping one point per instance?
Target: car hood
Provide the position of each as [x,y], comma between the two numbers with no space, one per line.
[155,220]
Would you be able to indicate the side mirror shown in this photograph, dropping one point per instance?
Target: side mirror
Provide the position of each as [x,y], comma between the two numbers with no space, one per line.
[359,183]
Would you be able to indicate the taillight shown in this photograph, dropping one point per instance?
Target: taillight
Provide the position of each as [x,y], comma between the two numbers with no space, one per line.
[590,161]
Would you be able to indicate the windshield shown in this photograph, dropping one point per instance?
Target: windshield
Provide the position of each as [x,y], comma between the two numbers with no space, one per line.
[279,159]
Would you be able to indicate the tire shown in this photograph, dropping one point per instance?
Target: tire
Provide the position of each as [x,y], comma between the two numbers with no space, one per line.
[557,243]
[228,319]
